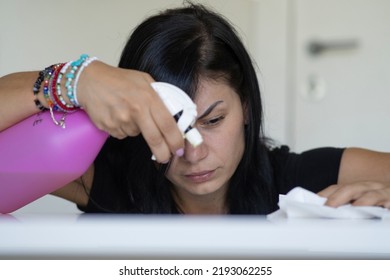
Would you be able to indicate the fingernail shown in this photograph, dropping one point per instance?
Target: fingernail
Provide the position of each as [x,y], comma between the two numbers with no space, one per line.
[180,152]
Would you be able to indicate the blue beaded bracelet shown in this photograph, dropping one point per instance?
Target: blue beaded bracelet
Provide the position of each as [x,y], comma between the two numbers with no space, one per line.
[71,75]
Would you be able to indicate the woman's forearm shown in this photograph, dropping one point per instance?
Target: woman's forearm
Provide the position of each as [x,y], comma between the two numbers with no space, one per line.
[17,98]
[364,179]
[119,101]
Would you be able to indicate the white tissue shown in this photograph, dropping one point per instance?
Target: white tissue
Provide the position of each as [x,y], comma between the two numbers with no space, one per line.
[301,203]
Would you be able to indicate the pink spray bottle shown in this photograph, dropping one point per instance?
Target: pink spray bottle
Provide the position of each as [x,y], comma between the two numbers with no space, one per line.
[38,157]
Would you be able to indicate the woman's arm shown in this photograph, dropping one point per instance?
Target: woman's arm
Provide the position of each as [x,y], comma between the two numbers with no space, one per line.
[16,98]
[118,101]
[364,179]
[78,191]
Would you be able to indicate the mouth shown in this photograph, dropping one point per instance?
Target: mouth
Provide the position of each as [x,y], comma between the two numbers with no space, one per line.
[200,177]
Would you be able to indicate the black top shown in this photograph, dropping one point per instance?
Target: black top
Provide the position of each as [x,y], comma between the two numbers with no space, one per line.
[314,170]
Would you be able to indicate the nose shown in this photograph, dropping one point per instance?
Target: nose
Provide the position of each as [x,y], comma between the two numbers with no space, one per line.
[194,154]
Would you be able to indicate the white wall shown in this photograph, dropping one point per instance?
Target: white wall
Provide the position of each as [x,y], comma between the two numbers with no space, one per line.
[268,41]
[40,32]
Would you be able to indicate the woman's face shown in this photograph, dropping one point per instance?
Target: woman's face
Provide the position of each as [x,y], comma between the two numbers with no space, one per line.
[207,168]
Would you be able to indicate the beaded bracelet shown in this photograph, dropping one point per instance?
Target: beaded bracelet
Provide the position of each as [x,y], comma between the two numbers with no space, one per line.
[63,105]
[47,84]
[71,75]
[51,77]
[36,89]
[52,87]
[57,104]
[76,81]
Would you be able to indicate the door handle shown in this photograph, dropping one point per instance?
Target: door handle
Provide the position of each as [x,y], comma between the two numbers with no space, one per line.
[317,47]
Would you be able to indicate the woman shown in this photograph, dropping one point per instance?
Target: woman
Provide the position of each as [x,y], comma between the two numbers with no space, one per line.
[233,171]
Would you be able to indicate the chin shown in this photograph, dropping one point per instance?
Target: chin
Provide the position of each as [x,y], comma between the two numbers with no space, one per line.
[203,189]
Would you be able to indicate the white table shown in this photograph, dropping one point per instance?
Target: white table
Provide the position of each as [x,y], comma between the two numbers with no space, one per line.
[108,236]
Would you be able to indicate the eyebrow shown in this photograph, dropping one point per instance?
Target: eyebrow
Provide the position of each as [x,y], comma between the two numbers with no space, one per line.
[210,109]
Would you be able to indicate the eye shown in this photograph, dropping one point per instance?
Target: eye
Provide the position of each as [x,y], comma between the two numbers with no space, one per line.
[212,121]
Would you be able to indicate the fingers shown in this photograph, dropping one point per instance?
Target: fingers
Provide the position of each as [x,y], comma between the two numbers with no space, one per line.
[328,191]
[123,103]
[169,129]
[163,138]
[160,130]
[152,119]
[358,194]
[374,197]
[338,195]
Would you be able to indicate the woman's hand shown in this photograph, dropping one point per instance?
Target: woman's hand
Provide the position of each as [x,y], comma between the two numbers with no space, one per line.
[364,179]
[366,193]
[123,103]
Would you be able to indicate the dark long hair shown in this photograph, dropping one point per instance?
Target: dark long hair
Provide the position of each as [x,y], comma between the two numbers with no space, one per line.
[181,46]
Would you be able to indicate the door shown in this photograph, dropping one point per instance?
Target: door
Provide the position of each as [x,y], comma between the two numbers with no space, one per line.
[341,74]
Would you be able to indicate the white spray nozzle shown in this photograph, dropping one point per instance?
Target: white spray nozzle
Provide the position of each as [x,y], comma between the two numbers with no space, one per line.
[182,108]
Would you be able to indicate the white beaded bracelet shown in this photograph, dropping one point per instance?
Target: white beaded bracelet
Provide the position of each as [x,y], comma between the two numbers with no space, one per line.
[82,67]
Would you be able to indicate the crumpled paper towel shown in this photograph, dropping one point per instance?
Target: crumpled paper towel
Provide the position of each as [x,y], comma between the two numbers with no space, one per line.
[301,203]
